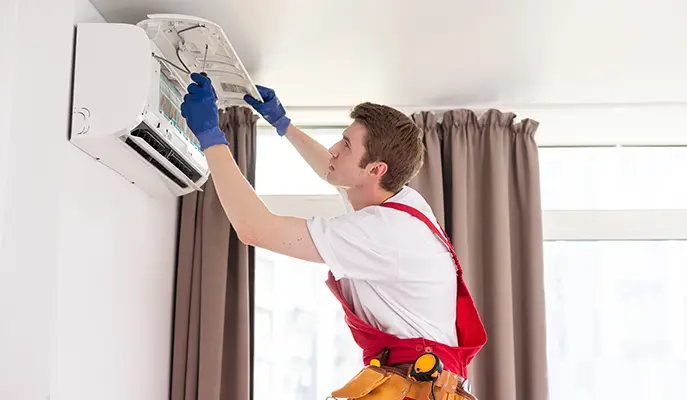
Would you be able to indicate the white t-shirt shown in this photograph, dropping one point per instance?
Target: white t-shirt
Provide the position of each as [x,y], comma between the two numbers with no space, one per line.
[395,273]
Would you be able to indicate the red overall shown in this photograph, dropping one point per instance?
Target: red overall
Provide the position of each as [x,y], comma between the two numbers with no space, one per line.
[469,327]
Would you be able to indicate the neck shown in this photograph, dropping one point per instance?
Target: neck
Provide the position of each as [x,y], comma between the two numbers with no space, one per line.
[361,197]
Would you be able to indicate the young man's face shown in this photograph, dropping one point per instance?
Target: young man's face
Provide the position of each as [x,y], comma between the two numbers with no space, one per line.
[346,154]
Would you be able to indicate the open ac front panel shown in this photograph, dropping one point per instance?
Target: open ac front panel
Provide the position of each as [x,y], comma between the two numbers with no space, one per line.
[129,81]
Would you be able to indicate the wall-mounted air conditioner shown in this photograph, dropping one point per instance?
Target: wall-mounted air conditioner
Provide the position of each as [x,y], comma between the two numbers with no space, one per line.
[129,82]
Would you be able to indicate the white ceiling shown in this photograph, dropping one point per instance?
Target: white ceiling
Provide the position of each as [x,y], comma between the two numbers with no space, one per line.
[449,52]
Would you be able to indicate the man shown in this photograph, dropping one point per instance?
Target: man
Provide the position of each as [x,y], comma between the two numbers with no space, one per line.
[391,265]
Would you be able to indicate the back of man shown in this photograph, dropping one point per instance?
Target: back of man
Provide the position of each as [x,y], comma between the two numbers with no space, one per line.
[394,271]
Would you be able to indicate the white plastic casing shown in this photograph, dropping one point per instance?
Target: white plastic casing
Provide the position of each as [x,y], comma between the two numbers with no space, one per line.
[126,95]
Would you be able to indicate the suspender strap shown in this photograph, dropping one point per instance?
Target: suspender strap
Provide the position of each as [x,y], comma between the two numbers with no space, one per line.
[439,232]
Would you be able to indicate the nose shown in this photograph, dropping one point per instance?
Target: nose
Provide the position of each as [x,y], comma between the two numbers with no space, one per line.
[333,151]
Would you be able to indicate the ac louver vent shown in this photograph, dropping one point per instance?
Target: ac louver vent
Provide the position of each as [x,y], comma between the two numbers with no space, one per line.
[155,163]
[162,148]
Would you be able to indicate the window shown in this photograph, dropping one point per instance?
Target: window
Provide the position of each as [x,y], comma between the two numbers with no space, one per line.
[613,178]
[615,225]
[303,347]
[616,313]
[615,251]
[280,170]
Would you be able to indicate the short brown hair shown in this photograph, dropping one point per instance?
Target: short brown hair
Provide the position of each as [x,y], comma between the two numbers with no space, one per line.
[393,138]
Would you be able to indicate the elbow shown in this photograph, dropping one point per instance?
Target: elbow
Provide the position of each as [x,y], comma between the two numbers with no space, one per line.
[248,236]
[257,232]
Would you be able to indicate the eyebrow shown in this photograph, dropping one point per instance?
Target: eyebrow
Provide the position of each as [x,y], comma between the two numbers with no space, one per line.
[346,139]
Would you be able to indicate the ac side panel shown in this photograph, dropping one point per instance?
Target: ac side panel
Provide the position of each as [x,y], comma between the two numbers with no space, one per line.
[112,79]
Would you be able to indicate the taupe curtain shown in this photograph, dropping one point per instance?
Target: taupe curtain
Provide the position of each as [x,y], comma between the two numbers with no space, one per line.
[212,343]
[481,176]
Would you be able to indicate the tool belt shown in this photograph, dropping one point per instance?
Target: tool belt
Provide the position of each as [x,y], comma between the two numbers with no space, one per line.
[393,383]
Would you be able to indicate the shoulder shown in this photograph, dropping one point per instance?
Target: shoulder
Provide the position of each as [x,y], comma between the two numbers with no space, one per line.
[379,243]
[378,218]
[411,197]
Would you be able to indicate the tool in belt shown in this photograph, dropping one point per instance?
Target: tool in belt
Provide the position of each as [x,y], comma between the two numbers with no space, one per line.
[379,381]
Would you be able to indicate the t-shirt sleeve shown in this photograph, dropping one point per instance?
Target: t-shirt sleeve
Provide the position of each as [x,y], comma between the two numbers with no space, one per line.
[352,247]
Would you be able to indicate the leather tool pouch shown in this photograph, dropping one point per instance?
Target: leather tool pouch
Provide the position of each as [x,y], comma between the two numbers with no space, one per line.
[454,396]
[377,383]
[374,383]
[449,386]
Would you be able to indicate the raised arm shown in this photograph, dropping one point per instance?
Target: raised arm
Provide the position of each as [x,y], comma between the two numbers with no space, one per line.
[316,155]
[255,224]
[312,151]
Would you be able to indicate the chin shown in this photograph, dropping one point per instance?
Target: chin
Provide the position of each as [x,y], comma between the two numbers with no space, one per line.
[336,183]
[333,180]
[330,176]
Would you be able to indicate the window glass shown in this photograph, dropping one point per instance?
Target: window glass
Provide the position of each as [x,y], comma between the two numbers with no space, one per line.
[616,319]
[281,170]
[613,178]
[308,348]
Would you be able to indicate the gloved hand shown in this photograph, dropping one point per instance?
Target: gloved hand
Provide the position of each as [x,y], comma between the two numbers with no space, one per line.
[201,113]
[272,109]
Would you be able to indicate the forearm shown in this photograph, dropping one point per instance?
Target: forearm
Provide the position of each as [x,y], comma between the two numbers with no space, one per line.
[314,153]
[244,208]
[254,223]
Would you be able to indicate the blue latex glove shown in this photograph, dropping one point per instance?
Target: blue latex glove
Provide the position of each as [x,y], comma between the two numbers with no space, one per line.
[272,109]
[201,113]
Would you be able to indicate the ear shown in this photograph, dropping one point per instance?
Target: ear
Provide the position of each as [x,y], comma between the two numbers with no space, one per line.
[378,169]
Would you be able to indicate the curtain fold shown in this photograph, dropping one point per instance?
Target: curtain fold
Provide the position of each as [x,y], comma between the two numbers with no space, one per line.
[481,176]
[212,342]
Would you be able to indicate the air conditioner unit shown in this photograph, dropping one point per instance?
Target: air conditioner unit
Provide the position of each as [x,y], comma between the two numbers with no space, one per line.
[129,82]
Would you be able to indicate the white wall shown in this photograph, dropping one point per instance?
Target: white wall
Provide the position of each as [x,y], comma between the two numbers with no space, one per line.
[86,259]
[9,10]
